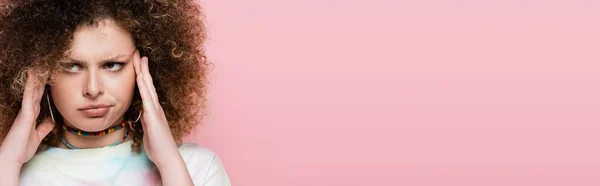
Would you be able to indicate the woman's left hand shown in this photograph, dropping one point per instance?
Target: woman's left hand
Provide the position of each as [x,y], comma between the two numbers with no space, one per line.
[159,144]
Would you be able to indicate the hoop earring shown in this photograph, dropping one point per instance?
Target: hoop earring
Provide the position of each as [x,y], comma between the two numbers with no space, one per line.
[50,107]
[139,116]
[131,123]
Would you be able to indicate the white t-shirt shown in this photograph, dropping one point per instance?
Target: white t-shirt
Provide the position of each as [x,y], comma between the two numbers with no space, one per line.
[116,165]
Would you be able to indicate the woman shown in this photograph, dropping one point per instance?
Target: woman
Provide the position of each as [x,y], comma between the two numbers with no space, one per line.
[101,93]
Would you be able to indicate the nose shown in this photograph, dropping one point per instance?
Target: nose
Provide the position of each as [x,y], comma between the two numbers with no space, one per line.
[93,86]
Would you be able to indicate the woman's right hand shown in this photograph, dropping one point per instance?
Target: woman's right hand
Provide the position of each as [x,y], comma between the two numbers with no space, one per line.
[23,139]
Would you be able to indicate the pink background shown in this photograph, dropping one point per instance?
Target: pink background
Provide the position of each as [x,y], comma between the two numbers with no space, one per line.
[420,93]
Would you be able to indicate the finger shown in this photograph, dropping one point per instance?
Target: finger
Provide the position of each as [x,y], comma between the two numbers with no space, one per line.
[40,91]
[25,119]
[146,70]
[144,92]
[27,112]
[44,128]
[147,103]
[28,92]
[41,87]
[148,80]
[144,128]
[136,62]
[141,75]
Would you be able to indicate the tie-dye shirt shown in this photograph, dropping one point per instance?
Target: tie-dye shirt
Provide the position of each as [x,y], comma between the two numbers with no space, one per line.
[117,165]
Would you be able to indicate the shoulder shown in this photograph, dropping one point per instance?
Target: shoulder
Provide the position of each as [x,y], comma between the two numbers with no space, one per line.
[30,172]
[204,165]
[197,155]
[191,150]
[41,161]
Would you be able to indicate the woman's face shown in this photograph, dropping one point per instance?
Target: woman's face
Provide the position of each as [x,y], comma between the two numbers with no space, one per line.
[99,74]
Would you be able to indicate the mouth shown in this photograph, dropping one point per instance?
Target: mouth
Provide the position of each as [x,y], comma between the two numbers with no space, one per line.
[96,112]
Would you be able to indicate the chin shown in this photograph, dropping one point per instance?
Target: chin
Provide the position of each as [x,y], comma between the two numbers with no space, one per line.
[94,124]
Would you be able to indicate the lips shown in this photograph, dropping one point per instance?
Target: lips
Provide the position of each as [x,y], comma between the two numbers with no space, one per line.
[96,112]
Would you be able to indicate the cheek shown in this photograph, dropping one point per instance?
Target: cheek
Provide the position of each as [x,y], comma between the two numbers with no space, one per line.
[122,90]
[121,87]
[63,94]
[129,82]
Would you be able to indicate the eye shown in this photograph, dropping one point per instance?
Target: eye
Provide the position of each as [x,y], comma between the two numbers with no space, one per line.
[72,67]
[114,66]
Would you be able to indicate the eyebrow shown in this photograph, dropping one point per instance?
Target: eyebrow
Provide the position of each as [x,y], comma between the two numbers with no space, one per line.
[112,59]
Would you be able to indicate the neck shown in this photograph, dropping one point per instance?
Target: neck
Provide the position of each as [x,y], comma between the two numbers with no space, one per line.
[86,142]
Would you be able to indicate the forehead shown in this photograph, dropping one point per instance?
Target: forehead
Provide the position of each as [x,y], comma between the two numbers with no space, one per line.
[92,43]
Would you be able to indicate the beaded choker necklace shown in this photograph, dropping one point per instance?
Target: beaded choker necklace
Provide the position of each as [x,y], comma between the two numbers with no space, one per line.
[111,145]
[99,133]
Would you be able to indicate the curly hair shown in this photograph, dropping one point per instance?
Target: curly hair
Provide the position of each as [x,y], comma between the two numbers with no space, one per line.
[171,33]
